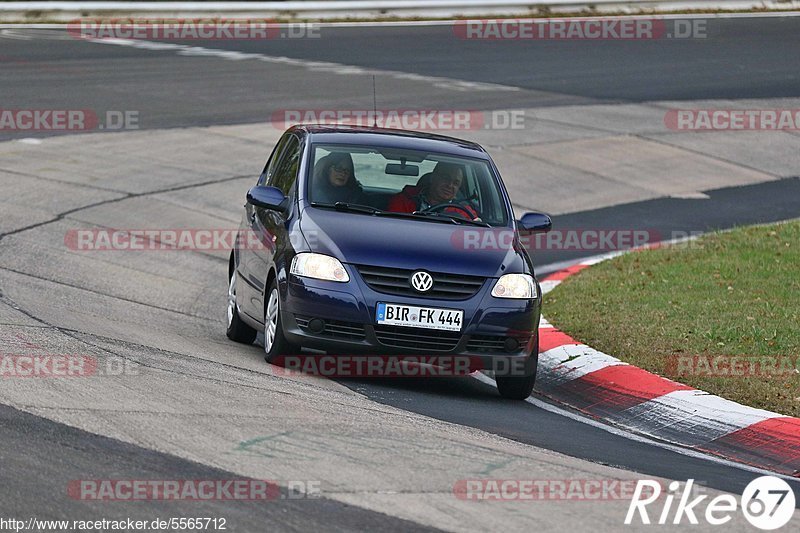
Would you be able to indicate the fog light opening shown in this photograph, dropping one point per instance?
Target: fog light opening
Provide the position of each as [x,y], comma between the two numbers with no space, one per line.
[511,344]
[316,325]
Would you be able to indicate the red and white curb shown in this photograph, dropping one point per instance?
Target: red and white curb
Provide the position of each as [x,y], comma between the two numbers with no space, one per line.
[604,387]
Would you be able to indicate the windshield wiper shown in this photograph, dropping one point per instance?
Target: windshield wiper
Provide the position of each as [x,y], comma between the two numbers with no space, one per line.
[343,206]
[359,208]
[456,219]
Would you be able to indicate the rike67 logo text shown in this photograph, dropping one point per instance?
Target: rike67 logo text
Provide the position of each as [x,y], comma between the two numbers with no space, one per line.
[767,503]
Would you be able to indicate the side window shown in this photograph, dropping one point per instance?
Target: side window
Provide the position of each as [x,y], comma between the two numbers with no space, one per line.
[272,162]
[285,173]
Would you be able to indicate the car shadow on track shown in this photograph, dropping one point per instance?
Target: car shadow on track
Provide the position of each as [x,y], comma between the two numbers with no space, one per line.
[453,388]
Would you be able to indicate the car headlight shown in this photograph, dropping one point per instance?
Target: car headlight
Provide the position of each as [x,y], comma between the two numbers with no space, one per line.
[319,266]
[515,286]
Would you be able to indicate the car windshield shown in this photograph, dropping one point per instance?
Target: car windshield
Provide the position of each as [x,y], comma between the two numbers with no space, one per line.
[406,181]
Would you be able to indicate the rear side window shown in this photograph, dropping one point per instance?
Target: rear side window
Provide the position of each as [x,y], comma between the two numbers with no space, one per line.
[272,162]
[285,174]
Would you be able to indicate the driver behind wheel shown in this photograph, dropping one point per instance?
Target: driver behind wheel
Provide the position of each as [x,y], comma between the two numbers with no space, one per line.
[442,187]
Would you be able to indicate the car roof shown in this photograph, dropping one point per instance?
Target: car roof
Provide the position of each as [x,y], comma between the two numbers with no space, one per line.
[390,138]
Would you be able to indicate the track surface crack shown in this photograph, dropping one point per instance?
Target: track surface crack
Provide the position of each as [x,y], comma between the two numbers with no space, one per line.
[126,196]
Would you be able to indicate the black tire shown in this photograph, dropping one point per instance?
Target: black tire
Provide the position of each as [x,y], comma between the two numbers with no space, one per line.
[237,330]
[520,387]
[279,345]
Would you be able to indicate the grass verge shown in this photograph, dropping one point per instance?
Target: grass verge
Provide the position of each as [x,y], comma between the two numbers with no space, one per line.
[675,309]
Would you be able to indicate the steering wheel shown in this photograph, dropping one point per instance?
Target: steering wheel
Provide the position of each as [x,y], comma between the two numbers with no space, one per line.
[442,207]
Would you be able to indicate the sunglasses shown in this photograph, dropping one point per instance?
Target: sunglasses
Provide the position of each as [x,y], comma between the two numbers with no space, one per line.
[342,169]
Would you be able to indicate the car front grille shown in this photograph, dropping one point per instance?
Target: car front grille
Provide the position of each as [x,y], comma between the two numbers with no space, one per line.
[397,281]
[417,338]
[334,328]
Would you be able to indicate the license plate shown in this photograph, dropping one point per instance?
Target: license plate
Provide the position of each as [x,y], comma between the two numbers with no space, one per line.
[419,317]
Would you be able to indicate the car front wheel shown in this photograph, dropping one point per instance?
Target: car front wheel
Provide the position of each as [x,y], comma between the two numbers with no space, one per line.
[520,387]
[237,330]
[275,343]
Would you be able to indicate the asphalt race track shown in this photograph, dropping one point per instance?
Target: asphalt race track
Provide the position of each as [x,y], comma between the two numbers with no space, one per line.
[594,150]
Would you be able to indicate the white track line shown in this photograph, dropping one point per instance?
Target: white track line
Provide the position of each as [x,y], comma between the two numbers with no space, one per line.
[447,22]
[314,66]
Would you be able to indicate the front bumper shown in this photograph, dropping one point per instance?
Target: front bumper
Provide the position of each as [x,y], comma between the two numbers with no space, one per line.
[339,318]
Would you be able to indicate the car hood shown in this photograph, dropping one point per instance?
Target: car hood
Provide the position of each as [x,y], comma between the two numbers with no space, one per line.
[362,239]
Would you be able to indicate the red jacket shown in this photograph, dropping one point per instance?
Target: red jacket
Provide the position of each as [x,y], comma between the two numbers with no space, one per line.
[408,201]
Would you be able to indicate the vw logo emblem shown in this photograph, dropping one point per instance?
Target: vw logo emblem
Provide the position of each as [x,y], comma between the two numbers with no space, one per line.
[421,281]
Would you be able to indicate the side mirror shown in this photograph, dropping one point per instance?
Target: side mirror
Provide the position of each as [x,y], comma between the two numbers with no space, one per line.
[536,222]
[267,197]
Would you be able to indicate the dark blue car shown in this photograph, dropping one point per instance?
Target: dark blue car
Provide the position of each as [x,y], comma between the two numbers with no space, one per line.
[386,242]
